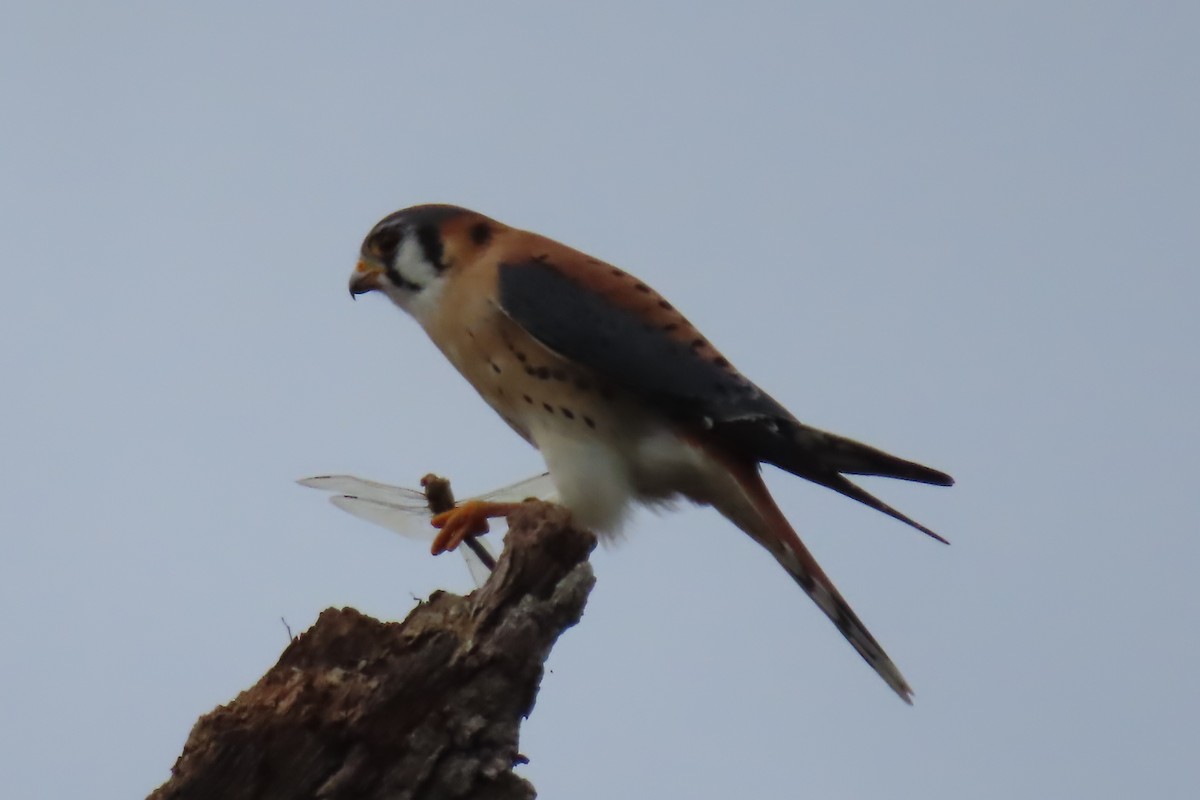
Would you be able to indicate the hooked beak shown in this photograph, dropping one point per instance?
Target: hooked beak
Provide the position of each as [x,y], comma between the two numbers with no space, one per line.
[365,278]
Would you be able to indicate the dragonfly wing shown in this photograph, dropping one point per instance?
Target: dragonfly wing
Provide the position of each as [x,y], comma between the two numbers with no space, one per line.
[413,525]
[480,572]
[410,522]
[368,490]
[540,487]
[406,511]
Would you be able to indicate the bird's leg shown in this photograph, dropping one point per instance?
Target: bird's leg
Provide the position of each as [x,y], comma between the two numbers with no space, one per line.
[469,519]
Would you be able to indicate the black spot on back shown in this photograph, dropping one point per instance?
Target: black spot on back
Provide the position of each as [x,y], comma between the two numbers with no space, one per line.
[481,232]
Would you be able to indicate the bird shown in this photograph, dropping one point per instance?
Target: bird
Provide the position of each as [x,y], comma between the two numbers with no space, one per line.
[627,402]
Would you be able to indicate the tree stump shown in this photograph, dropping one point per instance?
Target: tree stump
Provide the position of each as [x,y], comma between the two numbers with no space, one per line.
[429,707]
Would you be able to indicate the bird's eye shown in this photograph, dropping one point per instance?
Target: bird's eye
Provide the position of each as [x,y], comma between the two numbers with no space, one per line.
[383,243]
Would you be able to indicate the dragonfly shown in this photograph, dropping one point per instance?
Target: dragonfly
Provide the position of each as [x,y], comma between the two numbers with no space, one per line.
[408,511]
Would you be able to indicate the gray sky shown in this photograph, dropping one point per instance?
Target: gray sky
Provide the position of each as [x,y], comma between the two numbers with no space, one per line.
[966,234]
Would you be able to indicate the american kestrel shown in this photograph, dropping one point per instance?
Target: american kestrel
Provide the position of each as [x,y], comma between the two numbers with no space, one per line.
[624,398]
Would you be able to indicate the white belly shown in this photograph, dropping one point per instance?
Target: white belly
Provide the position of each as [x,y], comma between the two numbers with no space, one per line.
[599,477]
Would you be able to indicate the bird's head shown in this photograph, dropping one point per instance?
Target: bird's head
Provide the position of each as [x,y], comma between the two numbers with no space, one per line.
[409,255]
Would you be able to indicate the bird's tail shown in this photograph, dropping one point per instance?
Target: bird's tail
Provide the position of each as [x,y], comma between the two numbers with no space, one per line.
[826,458]
[772,530]
[855,458]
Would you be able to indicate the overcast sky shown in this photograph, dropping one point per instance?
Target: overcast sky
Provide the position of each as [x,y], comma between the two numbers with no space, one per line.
[966,233]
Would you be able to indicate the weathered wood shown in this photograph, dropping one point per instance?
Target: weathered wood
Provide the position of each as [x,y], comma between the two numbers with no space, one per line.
[425,708]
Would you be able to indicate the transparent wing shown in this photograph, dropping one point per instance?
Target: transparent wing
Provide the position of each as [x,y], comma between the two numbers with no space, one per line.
[539,486]
[368,490]
[480,572]
[414,525]
[410,521]
[406,511]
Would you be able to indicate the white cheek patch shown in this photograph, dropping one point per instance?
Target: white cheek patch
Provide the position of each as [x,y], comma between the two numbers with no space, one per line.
[412,265]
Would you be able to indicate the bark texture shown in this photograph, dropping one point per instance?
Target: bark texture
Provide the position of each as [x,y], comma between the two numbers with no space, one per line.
[425,708]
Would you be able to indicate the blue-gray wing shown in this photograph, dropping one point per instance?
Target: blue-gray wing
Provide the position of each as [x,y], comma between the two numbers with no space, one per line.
[641,346]
[626,333]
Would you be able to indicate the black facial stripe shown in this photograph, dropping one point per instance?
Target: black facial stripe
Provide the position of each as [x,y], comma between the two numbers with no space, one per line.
[431,245]
[399,280]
